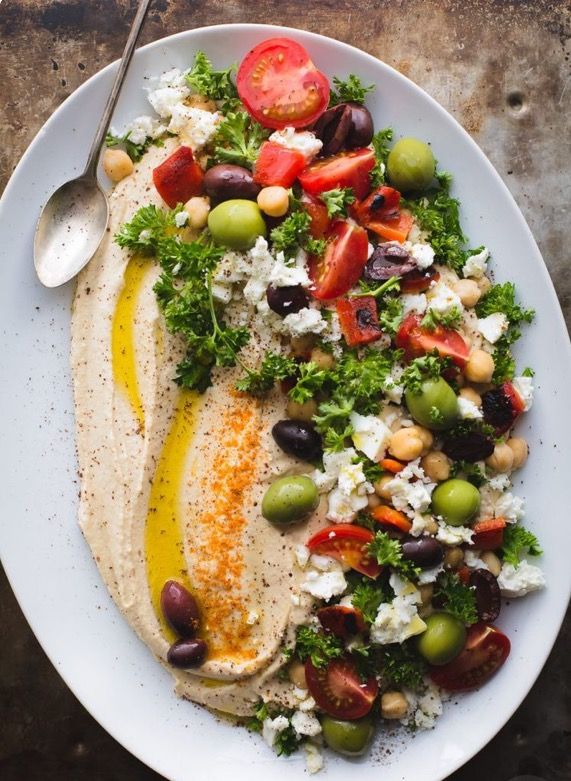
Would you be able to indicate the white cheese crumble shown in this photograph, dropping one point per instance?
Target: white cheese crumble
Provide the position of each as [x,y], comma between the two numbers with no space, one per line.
[141,128]
[180,219]
[306,321]
[493,327]
[442,299]
[262,269]
[398,620]
[422,254]
[411,489]
[428,708]
[165,99]
[499,482]
[453,535]
[370,435]
[313,758]
[517,582]
[509,507]
[332,464]
[475,266]
[468,410]
[305,724]
[524,386]
[472,559]
[271,728]
[430,575]
[304,141]
[413,302]
[302,555]
[420,524]
[324,585]
[195,126]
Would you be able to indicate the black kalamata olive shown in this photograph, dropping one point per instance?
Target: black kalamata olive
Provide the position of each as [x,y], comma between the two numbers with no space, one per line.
[472,446]
[499,408]
[298,438]
[488,595]
[346,126]
[187,653]
[225,181]
[425,552]
[388,260]
[286,300]
[180,609]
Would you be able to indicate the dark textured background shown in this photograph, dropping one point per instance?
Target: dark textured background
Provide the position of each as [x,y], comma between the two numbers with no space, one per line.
[502,69]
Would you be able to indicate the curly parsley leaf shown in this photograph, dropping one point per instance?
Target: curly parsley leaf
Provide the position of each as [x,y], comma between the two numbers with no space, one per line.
[213,84]
[148,226]
[380,142]
[427,367]
[388,552]
[135,151]
[451,319]
[351,90]
[321,648]
[287,741]
[337,201]
[335,441]
[272,369]
[471,472]
[333,414]
[367,597]
[502,298]
[504,362]
[518,542]
[390,315]
[238,140]
[457,599]
[293,234]
[310,379]
[403,667]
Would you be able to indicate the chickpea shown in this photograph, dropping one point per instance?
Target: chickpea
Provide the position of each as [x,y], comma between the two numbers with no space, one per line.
[273,201]
[453,557]
[502,458]
[380,487]
[296,673]
[492,561]
[394,705]
[301,346]
[323,359]
[480,367]
[471,395]
[197,209]
[117,164]
[425,435]
[426,593]
[519,447]
[304,411]
[484,284]
[468,291]
[436,465]
[431,526]
[406,444]
[373,501]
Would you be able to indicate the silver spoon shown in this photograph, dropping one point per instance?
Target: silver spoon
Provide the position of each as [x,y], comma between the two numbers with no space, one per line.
[73,221]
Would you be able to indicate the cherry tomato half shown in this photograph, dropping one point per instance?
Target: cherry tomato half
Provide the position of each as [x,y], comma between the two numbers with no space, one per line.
[346,543]
[347,169]
[341,620]
[339,690]
[342,263]
[317,210]
[280,86]
[485,651]
[417,341]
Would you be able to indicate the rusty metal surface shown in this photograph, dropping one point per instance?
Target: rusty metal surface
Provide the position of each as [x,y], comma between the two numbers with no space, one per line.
[503,70]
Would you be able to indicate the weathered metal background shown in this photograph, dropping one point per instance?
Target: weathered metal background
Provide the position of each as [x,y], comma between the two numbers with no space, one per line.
[502,69]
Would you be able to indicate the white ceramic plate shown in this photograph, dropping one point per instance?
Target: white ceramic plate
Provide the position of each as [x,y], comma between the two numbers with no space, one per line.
[43,551]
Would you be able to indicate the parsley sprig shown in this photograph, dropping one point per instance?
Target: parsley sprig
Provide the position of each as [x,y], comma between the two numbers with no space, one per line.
[388,552]
[337,201]
[135,151]
[380,142]
[293,234]
[213,84]
[287,741]
[451,319]
[238,139]
[456,598]
[518,542]
[403,667]
[351,90]
[426,367]
[368,596]
[273,368]
[321,648]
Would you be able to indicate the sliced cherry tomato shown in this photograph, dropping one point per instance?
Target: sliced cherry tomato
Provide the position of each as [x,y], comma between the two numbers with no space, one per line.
[278,165]
[391,465]
[280,86]
[489,535]
[359,320]
[418,281]
[395,229]
[339,690]
[178,178]
[347,543]
[317,210]
[342,621]
[342,263]
[387,516]
[347,169]
[502,406]
[485,651]
[464,575]
[417,341]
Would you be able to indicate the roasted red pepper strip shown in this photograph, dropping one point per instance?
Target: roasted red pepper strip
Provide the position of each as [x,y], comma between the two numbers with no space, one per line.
[179,177]
[489,535]
[359,320]
[380,213]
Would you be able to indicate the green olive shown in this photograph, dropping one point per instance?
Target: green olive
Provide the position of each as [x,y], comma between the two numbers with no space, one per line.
[443,638]
[435,407]
[236,224]
[347,737]
[456,501]
[410,165]
[290,499]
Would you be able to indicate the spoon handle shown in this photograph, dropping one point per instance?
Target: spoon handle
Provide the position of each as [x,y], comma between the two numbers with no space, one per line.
[93,158]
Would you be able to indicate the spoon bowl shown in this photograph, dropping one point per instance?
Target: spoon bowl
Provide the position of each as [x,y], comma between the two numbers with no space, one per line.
[70,229]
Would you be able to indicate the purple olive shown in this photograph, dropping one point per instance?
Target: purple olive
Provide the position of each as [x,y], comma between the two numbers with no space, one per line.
[361,132]
[388,260]
[425,552]
[286,300]
[180,609]
[226,181]
[488,595]
[187,653]
[346,126]
[298,439]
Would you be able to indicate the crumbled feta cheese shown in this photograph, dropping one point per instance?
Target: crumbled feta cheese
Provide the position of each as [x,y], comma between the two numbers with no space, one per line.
[509,507]
[472,559]
[141,128]
[475,266]
[307,703]
[196,126]
[165,99]
[305,724]
[306,321]
[324,585]
[263,269]
[430,575]
[333,332]
[398,620]
[411,490]
[301,555]
[173,78]
[342,507]
[370,435]
[493,327]
[468,410]
[350,494]
[370,249]
[422,254]
[324,563]
[303,141]
[453,535]
[524,386]
[517,582]
[413,302]
[180,219]
[429,707]
[420,524]
[442,299]
[392,390]
[271,728]
[313,758]
[499,482]
[332,464]
[222,293]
